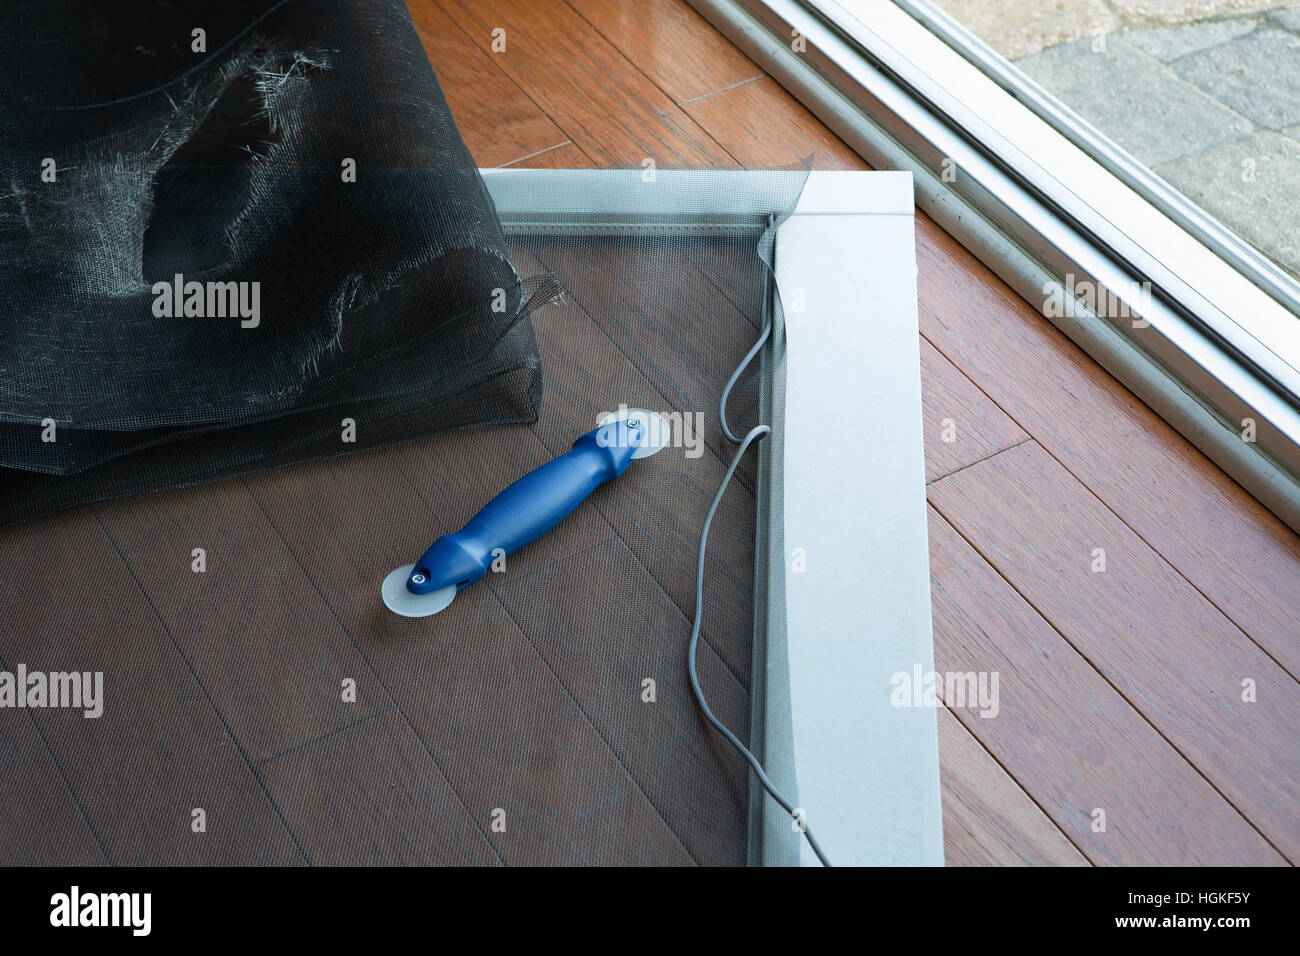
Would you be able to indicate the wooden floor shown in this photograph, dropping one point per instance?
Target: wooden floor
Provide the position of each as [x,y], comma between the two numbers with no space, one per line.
[1121,690]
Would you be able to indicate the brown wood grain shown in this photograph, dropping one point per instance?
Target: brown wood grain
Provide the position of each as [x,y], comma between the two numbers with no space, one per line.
[1067,736]
[1159,642]
[1223,541]
[762,125]
[397,810]
[241,626]
[474,688]
[988,820]
[564,156]
[589,89]
[603,650]
[671,44]
[962,425]
[160,749]
[240,623]
[39,816]
[497,120]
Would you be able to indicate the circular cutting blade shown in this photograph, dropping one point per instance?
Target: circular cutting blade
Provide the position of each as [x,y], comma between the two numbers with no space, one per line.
[403,602]
[657,430]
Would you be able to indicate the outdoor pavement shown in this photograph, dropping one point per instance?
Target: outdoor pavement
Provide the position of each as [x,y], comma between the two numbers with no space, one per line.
[1205,92]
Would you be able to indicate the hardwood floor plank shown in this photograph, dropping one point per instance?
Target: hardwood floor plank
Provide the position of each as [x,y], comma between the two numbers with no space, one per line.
[691,774]
[160,750]
[240,622]
[601,101]
[1171,654]
[962,424]
[368,795]
[477,693]
[987,819]
[542,588]
[1218,537]
[762,125]
[564,156]
[1066,735]
[497,120]
[670,43]
[39,816]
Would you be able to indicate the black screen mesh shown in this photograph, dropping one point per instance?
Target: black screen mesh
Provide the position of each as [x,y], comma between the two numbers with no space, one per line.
[220,247]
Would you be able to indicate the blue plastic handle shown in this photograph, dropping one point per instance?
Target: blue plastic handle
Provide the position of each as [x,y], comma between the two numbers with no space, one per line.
[528,509]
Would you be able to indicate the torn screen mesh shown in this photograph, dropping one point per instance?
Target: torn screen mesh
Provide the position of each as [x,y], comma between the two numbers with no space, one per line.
[236,234]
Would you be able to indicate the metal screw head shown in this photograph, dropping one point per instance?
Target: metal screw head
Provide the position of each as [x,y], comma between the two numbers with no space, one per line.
[418,578]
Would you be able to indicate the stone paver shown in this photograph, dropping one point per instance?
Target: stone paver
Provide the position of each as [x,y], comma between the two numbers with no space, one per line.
[1134,99]
[1287,19]
[1186,11]
[1257,75]
[1018,28]
[1202,91]
[1251,185]
[1170,43]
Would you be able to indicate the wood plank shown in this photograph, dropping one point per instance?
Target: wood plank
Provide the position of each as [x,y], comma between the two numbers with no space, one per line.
[671,44]
[679,765]
[564,156]
[39,817]
[1223,541]
[987,819]
[1070,739]
[962,424]
[476,692]
[601,101]
[1171,654]
[160,749]
[497,120]
[368,795]
[694,778]
[240,623]
[762,125]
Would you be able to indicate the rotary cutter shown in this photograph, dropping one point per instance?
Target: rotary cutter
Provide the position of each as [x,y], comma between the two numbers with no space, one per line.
[524,512]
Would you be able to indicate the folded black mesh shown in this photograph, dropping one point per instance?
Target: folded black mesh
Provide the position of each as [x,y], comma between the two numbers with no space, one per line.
[291,170]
